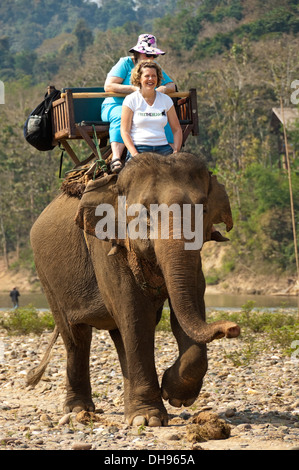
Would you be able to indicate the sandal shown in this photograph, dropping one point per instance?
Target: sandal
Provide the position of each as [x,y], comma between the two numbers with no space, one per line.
[116,165]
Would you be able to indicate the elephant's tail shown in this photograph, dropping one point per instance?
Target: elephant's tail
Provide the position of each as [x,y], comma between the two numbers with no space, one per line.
[35,374]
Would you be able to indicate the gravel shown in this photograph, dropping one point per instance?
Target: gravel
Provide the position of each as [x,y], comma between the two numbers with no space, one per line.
[259,401]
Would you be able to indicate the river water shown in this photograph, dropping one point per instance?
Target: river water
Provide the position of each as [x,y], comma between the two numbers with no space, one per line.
[218,301]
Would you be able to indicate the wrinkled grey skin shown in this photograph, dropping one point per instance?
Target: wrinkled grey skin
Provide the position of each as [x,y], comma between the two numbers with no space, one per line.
[89,283]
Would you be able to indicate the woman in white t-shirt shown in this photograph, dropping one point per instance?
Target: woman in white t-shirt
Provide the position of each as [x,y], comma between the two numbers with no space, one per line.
[146,112]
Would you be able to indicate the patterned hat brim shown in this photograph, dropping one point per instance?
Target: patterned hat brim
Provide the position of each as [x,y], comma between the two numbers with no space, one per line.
[147,50]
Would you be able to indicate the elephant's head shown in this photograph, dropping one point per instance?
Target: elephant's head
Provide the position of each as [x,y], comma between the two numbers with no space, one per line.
[182,183]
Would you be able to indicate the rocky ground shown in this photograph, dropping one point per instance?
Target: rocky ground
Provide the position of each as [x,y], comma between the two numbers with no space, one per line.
[259,402]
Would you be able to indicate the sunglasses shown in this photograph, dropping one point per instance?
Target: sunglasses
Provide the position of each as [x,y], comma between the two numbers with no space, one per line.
[151,55]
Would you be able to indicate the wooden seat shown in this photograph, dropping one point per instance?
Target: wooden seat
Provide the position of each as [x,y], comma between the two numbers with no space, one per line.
[79,119]
[77,115]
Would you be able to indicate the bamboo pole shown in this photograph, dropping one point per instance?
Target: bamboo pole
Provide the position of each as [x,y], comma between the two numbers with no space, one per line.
[99,94]
[290,188]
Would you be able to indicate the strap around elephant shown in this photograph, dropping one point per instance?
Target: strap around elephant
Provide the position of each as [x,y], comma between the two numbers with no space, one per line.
[100,162]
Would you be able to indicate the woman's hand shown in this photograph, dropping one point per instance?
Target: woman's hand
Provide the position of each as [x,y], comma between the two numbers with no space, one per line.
[125,128]
[168,88]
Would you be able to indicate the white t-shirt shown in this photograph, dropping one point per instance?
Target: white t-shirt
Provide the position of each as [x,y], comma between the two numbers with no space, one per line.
[148,121]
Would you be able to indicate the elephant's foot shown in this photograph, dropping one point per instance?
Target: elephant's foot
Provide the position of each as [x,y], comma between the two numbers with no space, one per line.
[180,390]
[147,416]
[77,404]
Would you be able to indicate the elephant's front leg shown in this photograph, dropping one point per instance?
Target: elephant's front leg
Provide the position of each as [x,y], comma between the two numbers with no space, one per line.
[182,382]
[135,345]
[78,379]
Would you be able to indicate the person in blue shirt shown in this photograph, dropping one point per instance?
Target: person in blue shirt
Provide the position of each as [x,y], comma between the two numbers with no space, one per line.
[119,81]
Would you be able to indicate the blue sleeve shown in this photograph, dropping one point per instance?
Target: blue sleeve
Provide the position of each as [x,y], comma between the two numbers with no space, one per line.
[121,69]
[166,78]
[124,67]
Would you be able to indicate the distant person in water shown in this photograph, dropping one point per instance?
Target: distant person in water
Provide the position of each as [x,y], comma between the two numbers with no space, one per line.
[14,295]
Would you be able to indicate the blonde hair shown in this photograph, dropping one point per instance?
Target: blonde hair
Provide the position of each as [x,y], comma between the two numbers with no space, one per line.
[145,64]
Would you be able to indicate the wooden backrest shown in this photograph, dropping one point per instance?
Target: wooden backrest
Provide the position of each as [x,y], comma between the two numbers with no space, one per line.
[87,109]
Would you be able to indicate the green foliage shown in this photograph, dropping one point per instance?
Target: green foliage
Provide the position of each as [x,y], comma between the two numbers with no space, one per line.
[27,26]
[24,62]
[261,330]
[232,9]
[27,177]
[29,22]
[84,36]
[265,321]
[24,261]
[215,275]
[212,278]
[26,320]
[279,20]
[284,336]
[263,223]
[190,21]
[164,323]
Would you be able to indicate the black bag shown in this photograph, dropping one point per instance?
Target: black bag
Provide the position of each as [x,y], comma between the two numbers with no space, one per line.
[38,127]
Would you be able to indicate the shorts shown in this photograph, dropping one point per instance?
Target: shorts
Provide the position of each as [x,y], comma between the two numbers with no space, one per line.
[161,149]
[112,113]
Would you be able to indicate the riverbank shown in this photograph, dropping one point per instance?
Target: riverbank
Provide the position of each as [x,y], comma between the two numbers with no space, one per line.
[260,284]
[242,280]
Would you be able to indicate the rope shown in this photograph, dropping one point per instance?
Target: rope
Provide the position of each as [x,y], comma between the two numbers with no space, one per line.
[61,158]
[100,162]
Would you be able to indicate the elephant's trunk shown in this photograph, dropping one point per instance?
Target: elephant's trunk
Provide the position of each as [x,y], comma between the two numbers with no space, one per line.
[185,284]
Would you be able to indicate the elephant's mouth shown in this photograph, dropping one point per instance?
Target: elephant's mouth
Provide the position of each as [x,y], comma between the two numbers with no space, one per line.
[148,275]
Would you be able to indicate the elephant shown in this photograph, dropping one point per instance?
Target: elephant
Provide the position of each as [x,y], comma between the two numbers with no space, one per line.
[120,283]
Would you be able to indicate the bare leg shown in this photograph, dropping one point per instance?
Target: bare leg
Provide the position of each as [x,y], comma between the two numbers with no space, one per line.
[117,150]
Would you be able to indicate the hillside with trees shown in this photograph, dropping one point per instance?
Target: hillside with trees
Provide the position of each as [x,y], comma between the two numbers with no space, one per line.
[241,55]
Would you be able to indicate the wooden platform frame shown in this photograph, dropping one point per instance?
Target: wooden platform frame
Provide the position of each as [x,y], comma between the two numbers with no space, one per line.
[66,129]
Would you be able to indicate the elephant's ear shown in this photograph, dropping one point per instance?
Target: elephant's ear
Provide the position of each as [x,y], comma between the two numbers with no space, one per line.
[102,191]
[219,206]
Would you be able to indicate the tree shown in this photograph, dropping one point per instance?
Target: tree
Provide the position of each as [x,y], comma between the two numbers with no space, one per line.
[28,178]
[25,62]
[84,36]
